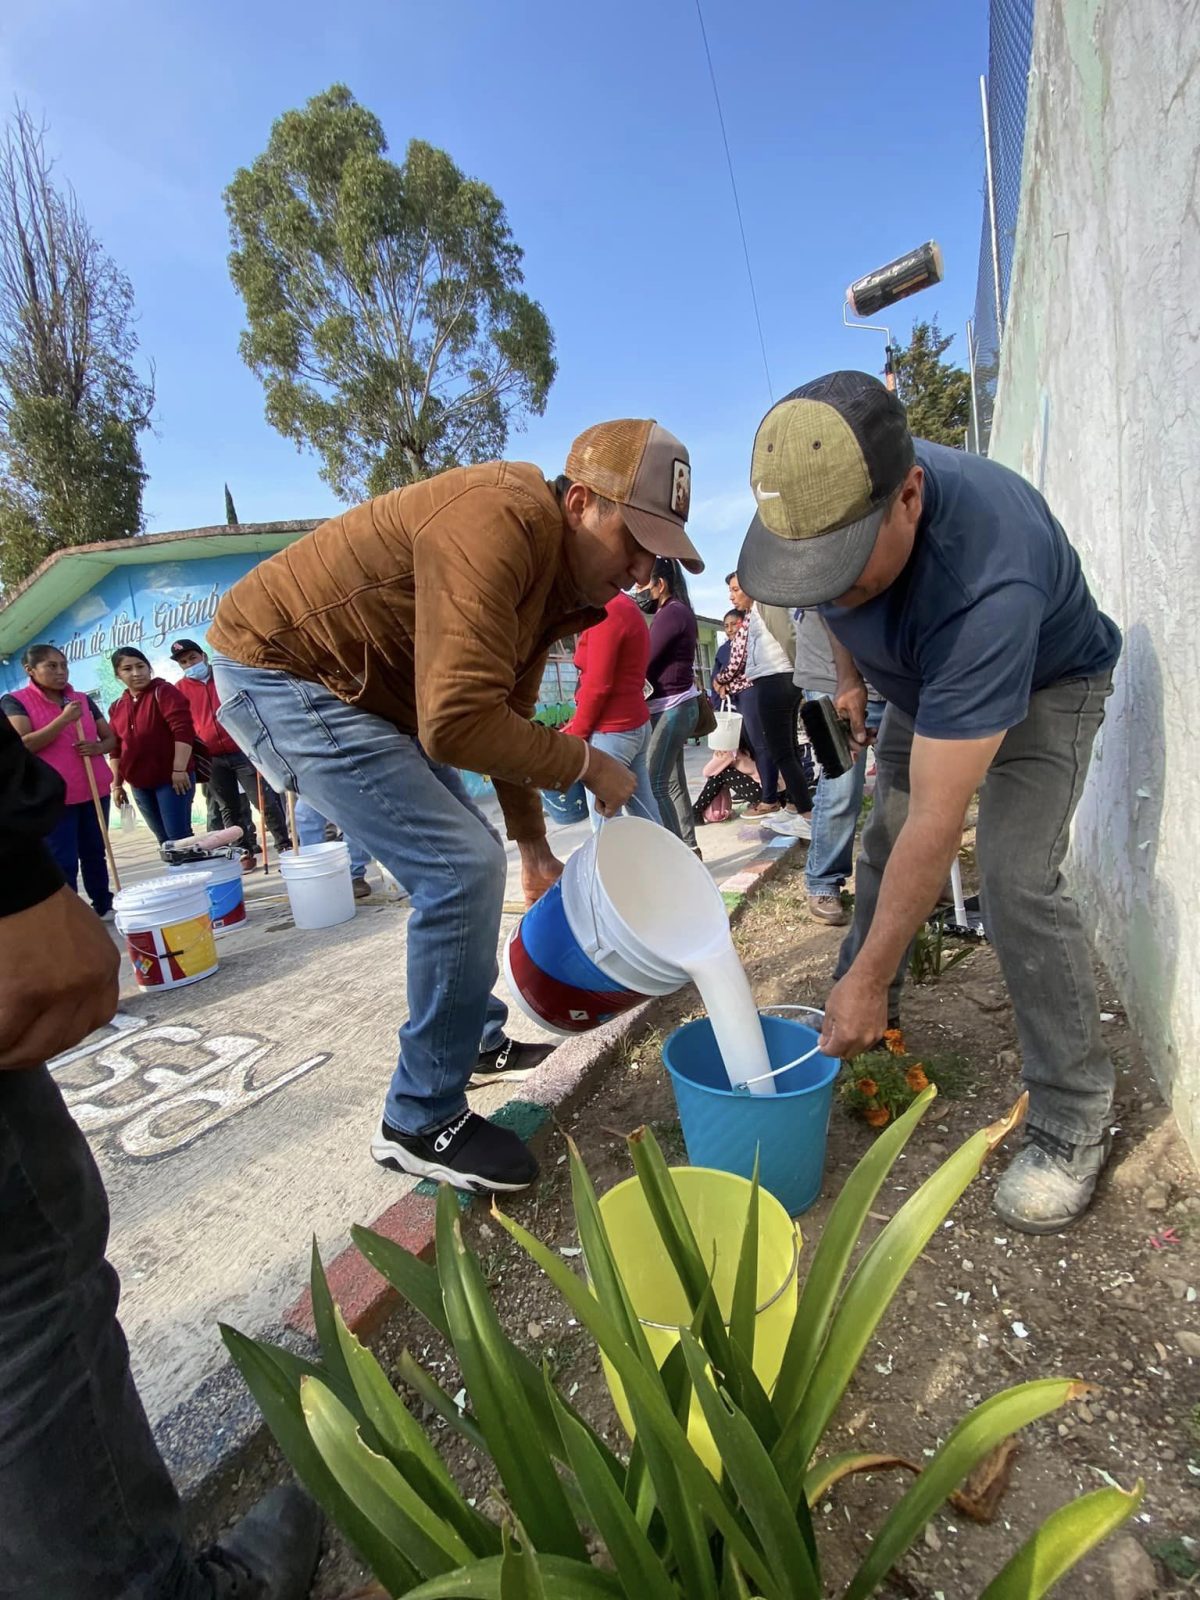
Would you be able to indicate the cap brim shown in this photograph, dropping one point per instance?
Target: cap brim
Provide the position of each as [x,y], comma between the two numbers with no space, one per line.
[662,537]
[805,572]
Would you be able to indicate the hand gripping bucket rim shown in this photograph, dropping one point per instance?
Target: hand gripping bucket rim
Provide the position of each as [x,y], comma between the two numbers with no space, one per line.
[728,1128]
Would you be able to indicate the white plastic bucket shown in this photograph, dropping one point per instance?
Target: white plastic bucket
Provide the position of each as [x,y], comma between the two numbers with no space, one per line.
[167,924]
[727,734]
[226,892]
[638,901]
[318,884]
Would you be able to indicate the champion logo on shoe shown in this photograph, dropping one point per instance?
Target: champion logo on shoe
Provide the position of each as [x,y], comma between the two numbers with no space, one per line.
[446,1137]
[504,1053]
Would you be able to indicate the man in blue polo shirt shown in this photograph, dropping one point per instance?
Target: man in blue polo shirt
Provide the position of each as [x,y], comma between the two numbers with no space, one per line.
[945,579]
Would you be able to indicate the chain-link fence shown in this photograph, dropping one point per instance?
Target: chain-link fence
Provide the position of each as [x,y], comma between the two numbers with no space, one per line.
[1009,49]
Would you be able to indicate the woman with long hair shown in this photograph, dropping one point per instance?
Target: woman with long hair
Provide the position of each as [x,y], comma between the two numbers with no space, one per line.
[154,753]
[64,729]
[674,703]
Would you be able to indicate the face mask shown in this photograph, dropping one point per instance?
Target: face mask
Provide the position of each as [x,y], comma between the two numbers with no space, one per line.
[201,671]
[646,601]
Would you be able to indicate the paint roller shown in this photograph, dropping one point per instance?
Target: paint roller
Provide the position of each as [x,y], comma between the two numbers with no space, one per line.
[877,290]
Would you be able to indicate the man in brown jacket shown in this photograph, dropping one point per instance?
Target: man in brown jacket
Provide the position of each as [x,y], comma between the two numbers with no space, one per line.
[405,639]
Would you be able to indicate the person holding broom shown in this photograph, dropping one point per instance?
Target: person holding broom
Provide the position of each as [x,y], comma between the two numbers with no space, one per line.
[65,729]
[407,638]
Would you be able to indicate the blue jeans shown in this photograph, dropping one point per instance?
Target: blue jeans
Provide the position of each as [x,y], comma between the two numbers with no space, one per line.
[168,815]
[630,749]
[415,817]
[836,806]
[77,845]
[310,825]
[670,732]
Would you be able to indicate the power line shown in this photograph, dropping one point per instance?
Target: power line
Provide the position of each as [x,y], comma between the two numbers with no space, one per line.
[762,343]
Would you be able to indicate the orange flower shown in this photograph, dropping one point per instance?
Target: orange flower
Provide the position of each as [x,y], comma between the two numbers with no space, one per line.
[867,1086]
[877,1115]
[915,1078]
[894,1040]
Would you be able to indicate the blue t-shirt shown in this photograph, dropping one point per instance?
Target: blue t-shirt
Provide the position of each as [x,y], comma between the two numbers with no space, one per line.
[991,606]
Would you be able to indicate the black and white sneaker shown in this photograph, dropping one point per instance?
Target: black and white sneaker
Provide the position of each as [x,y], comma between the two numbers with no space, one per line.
[513,1061]
[470,1152]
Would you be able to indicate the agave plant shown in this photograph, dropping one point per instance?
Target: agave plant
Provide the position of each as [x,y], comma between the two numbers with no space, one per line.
[667,1527]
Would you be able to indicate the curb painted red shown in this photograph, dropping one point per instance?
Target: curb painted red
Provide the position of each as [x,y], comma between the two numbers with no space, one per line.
[364,1298]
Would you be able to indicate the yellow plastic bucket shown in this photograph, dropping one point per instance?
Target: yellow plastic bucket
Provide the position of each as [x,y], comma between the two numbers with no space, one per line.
[716,1204]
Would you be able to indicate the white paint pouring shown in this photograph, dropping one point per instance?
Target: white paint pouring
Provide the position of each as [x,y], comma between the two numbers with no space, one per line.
[636,895]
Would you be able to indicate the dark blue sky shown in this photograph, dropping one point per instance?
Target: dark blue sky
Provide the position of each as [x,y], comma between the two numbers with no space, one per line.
[855,136]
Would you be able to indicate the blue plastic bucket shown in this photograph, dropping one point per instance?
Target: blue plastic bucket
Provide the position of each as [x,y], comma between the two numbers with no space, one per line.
[725,1129]
[552,980]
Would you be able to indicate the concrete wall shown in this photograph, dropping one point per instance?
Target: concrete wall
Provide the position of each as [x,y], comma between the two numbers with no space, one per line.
[1099,404]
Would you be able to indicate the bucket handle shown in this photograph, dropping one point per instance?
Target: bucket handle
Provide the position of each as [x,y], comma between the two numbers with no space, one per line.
[600,945]
[788,1065]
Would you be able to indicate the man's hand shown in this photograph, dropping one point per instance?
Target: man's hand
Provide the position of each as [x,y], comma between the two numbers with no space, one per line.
[610,781]
[119,797]
[855,1015]
[58,979]
[540,869]
[850,702]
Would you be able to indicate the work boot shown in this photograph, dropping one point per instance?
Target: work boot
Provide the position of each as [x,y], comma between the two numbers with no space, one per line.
[828,908]
[270,1555]
[512,1062]
[1049,1185]
[362,889]
[470,1152]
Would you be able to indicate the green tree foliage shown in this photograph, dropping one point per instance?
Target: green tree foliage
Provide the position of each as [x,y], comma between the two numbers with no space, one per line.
[383,301]
[231,515]
[71,404]
[936,395]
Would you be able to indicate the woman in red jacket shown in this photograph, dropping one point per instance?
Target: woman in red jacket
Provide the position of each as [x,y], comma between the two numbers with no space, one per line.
[155,736]
[610,705]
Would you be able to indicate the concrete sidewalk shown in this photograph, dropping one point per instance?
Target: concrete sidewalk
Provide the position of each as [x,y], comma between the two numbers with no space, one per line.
[231,1119]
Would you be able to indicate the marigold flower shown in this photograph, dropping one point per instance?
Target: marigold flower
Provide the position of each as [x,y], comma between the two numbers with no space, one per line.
[877,1115]
[867,1086]
[916,1079]
[894,1040]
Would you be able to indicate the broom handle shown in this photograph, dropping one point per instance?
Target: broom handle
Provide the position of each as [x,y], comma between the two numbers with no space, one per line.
[291,805]
[100,817]
[262,821]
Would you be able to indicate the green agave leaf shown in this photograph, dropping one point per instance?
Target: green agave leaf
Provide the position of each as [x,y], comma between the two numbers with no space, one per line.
[603,1273]
[377,1488]
[1064,1538]
[502,1410]
[561,1580]
[743,1313]
[979,1432]
[824,1474]
[870,1290]
[641,1573]
[417,1282]
[833,1252]
[519,1575]
[404,1441]
[431,1392]
[756,1484]
[414,1280]
[325,1320]
[278,1396]
[657,1426]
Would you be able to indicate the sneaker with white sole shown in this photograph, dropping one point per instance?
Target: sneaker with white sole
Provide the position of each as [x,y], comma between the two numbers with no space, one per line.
[1050,1183]
[469,1152]
[511,1062]
[790,824]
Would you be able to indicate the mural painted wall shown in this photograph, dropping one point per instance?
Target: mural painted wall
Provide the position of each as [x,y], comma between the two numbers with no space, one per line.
[144,606]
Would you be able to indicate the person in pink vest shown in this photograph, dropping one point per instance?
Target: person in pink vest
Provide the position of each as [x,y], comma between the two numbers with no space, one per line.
[64,729]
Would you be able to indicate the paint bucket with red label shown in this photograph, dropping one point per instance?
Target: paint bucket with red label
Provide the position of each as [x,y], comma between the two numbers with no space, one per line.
[167,924]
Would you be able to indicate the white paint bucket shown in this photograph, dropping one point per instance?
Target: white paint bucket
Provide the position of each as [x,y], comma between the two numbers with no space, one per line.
[318,884]
[226,893]
[646,912]
[167,924]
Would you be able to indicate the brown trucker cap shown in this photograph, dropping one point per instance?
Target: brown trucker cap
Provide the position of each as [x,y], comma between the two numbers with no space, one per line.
[648,472]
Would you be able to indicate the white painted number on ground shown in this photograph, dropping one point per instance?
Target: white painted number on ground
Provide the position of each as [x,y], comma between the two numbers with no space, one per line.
[156,1089]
